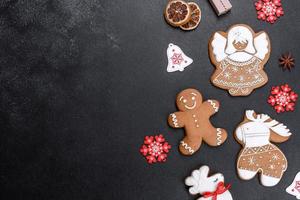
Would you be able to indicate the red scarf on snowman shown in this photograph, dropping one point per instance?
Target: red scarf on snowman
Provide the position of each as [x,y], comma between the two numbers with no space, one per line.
[221,188]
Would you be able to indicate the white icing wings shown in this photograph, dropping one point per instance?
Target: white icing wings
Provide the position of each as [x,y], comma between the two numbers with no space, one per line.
[218,45]
[261,43]
[219,42]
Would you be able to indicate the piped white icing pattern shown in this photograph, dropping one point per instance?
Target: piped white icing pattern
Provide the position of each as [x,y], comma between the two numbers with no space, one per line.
[174,120]
[261,43]
[294,188]
[177,60]
[240,57]
[200,182]
[259,154]
[213,104]
[274,125]
[219,136]
[255,46]
[187,147]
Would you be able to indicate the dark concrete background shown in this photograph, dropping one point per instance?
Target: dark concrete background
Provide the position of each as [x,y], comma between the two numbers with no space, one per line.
[83,81]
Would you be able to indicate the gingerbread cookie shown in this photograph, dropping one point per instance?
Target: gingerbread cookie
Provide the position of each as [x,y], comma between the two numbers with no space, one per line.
[194,116]
[239,56]
[210,187]
[259,155]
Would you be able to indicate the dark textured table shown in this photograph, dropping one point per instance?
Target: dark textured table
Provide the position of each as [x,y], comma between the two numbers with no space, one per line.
[83,81]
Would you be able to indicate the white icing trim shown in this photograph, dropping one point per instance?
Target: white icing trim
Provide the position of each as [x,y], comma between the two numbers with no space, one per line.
[219,136]
[274,125]
[269,181]
[213,104]
[241,57]
[187,147]
[240,34]
[261,43]
[174,119]
[191,107]
[223,47]
[218,46]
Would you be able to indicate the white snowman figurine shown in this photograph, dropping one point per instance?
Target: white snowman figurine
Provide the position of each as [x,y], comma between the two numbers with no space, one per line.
[209,187]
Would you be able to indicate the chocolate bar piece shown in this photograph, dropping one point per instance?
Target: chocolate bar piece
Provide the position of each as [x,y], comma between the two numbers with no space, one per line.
[221,6]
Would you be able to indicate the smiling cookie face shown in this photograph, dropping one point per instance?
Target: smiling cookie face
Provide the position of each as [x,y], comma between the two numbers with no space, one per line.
[188,99]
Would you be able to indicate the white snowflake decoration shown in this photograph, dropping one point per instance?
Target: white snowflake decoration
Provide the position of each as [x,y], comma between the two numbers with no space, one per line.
[251,160]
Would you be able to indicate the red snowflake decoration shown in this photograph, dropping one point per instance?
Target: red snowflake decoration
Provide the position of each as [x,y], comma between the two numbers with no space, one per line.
[282,98]
[269,10]
[177,58]
[155,149]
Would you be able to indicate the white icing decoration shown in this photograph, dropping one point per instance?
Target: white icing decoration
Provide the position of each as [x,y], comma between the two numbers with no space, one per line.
[234,62]
[177,60]
[218,45]
[219,136]
[274,125]
[187,147]
[256,47]
[294,188]
[261,42]
[268,180]
[199,182]
[191,107]
[239,34]
[174,119]
[257,131]
[255,136]
[213,104]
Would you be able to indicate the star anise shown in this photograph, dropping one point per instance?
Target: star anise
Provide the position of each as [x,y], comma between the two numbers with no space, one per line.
[287,61]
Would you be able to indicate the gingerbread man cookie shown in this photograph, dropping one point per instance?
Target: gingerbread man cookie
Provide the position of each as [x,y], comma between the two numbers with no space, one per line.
[239,56]
[194,116]
[258,153]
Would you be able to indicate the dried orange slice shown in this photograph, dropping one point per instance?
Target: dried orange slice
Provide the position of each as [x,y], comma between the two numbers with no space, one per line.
[177,12]
[195,17]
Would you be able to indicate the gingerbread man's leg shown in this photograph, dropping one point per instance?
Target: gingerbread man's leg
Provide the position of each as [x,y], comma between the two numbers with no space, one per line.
[189,145]
[215,137]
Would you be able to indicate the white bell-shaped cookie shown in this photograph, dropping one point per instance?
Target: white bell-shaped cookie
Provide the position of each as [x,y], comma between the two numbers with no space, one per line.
[177,60]
[294,188]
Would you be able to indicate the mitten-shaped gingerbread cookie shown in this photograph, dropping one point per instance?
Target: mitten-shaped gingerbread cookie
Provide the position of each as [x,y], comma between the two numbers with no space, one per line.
[194,116]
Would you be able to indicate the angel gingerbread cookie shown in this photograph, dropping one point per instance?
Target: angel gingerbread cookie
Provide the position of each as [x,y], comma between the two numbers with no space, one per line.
[259,155]
[194,116]
[239,56]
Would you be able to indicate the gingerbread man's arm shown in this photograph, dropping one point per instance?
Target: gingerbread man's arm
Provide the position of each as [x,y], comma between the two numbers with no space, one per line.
[176,120]
[211,106]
